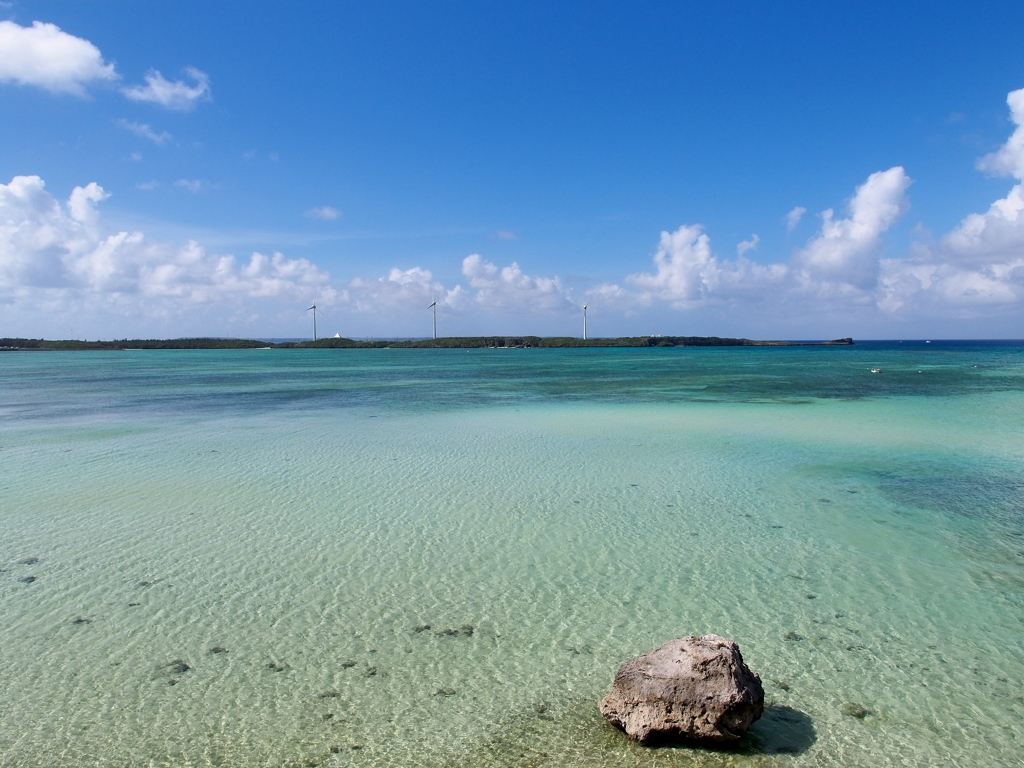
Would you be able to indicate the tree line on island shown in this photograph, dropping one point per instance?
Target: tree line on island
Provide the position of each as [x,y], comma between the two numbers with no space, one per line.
[456,342]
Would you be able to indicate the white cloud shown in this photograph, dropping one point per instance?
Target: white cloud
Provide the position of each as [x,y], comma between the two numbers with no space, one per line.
[975,271]
[997,234]
[177,94]
[687,274]
[195,186]
[148,186]
[838,265]
[324,212]
[509,287]
[681,260]
[979,266]
[492,290]
[404,290]
[143,130]
[43,55]
[62,257]
[46,245]
[504,234]
[792,218]
[847,250]
[1008,160]
[50,248]
[920,288]
[747,245]
[609,294]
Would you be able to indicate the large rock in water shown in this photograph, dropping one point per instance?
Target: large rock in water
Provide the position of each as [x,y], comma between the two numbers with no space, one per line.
[694,688]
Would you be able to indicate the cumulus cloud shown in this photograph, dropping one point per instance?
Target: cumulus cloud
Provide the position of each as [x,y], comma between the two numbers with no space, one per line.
[45,56]
[980,263]
[747,245]
[143,130]
[62,248]
[61,255]
[681,261]
[505,287]
[838,265]
[48,245]
[997,234]
[410,289]
[847,250]
[976,270]
[177,94]
[323,212]
[687,274]
[792,218]
[934,288]
[1008,160]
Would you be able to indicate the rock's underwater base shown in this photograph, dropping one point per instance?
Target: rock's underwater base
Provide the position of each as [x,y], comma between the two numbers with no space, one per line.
[692,689]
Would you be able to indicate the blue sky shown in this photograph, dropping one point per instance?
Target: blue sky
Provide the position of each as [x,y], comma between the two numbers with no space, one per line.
[209,168]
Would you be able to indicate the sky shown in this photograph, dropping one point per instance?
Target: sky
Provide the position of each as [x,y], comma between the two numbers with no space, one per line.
[794,170]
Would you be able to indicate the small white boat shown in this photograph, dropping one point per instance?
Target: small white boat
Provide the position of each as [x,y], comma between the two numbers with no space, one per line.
[876,370]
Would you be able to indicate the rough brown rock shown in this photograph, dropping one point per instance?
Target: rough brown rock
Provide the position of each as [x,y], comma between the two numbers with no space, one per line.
[693,688]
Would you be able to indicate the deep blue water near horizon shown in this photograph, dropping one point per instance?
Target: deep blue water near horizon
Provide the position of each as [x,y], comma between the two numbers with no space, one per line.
[440,557]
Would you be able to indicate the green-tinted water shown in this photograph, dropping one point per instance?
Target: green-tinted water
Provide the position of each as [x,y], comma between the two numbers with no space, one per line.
[306,512]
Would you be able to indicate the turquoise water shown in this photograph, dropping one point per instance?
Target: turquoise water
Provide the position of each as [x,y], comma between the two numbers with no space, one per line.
[547,513]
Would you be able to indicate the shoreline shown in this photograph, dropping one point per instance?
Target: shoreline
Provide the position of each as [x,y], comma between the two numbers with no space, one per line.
[459,342]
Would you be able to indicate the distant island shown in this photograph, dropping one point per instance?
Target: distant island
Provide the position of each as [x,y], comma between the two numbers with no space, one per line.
[458,342]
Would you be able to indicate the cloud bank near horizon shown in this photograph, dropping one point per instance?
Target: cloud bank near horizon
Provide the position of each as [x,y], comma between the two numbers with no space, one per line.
[63,253]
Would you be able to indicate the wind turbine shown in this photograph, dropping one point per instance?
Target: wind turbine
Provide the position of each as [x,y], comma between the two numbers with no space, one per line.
[315,310]
[584,322]
[433,306]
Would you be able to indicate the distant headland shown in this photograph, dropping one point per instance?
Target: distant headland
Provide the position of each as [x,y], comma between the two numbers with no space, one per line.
[457,342]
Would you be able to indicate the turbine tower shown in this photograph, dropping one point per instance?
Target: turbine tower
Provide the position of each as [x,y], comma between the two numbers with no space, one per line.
[584,322]
[433,306]
[314,318]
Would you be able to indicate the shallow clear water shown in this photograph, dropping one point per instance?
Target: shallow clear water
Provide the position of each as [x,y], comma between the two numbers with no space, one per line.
[307,511]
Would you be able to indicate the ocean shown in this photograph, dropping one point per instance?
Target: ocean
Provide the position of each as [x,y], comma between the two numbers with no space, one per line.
[440,557]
